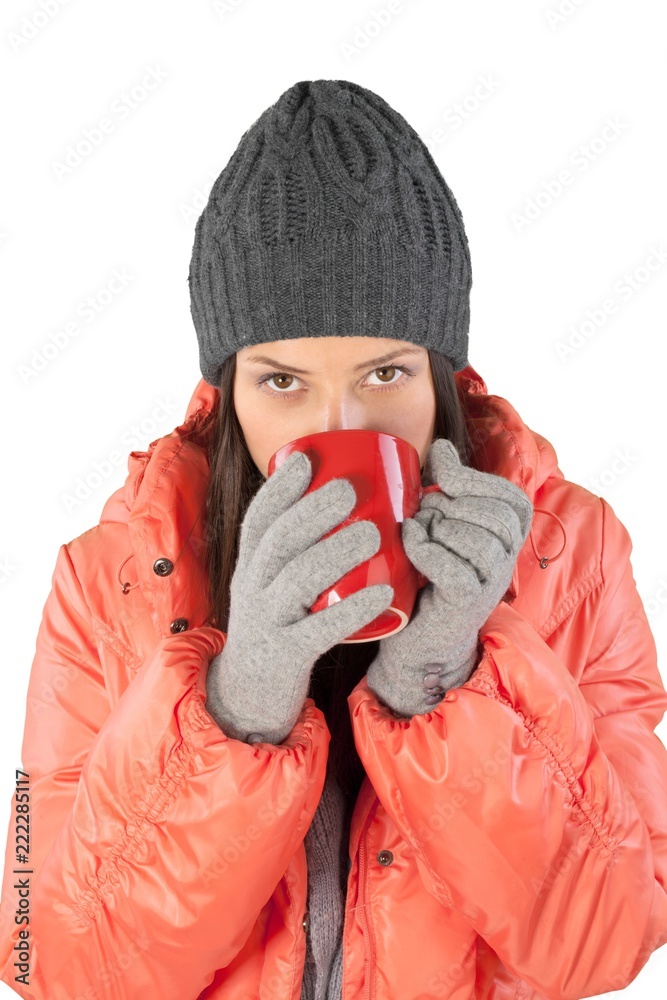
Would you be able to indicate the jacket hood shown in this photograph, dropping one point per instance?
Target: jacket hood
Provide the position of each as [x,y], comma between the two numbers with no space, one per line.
[167,483]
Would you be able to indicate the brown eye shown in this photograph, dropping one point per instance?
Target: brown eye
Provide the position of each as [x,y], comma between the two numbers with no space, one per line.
[282,380]
[392,370]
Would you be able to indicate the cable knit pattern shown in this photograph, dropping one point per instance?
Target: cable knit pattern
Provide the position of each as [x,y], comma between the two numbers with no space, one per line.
[326,844]
[329,189]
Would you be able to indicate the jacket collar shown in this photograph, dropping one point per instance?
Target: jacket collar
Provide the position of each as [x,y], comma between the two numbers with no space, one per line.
[163,503]
[164,496]
[504,445]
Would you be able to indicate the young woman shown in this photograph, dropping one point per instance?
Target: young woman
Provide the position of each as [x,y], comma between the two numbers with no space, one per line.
[228,801]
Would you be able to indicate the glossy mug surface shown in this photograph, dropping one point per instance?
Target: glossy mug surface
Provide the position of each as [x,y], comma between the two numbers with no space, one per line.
[384,471]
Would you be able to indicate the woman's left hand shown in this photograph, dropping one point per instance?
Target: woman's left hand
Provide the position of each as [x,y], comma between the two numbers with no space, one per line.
[466,540]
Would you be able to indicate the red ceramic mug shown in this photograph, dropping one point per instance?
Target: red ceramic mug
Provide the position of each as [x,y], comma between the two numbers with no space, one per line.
[384,471]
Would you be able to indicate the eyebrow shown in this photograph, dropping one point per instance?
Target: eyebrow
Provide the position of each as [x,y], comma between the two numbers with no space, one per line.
[260,359]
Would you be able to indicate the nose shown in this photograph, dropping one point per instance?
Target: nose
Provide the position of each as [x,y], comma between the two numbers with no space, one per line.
[340,413]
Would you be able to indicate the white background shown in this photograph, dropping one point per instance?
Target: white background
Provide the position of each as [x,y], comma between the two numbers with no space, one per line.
[519,92]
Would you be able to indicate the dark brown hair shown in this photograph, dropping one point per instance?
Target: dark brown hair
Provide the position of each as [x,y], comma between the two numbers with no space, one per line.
[234,480]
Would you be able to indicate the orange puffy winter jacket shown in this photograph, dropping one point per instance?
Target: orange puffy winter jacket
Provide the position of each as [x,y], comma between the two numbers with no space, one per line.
[510,843]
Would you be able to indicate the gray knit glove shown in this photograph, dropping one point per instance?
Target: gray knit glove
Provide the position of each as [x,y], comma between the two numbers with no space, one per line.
[466,541]
[257,685]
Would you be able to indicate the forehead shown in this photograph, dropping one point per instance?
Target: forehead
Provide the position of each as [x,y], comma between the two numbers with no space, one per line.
[341,349]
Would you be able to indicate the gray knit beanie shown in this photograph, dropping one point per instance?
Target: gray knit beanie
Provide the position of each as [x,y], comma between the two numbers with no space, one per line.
[330,219]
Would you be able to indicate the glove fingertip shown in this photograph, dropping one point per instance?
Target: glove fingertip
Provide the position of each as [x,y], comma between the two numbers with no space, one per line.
[446,451]
[412,532]
[442,460]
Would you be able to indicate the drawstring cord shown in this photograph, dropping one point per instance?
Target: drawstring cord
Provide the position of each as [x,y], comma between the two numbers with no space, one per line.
[125,586]
[545,560]
[130,586]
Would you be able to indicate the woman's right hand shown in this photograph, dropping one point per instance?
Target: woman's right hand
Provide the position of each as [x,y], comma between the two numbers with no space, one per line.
[257,685]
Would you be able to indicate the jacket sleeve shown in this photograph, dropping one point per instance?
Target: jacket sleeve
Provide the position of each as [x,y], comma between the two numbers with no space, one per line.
[535,805]
[148,825]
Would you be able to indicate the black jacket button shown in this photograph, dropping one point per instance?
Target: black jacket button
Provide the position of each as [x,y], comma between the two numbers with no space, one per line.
[385,858]
[306,921]
[178,625]
[162,566]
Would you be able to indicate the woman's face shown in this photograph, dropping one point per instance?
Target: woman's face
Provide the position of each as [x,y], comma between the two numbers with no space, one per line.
[284,389]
